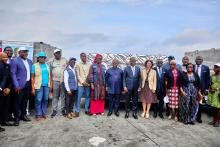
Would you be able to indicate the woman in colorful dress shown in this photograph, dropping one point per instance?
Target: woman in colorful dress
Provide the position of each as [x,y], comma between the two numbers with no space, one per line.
[190,90]
[97,79]
[214,95]
[173,78]
[148,88]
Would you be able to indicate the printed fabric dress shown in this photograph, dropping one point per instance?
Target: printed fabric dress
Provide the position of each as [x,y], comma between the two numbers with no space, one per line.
[188,104]
[173,92]
[214,98]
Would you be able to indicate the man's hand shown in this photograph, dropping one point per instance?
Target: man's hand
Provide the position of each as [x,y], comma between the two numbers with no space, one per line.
[85,84]
[6,91]
[125,89]
[69,93]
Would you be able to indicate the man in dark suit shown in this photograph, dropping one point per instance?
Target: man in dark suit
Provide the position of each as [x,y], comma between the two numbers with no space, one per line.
[160,90]
[10,98]
[4,75]
[204,75]
[131,84]
[20,73]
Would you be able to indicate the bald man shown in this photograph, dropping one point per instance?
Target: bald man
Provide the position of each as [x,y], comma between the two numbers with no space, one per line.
[204,74]
[4,76]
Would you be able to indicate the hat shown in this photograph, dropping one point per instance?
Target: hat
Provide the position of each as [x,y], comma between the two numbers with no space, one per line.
[57,50]
[41,54]
[74,59]
[22,49]
[217,64]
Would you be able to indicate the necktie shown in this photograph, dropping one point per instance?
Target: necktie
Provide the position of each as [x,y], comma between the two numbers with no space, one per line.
[197,69]
[133,70]
[160,72]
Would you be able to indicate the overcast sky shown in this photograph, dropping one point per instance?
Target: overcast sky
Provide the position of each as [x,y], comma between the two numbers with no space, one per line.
[169,27]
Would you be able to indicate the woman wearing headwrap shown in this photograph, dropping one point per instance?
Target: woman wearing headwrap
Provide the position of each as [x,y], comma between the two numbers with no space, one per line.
[214,95]
[97,79]
[173,83]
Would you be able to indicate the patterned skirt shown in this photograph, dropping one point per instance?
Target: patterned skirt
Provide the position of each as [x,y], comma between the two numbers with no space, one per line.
[173,95]
[147,96]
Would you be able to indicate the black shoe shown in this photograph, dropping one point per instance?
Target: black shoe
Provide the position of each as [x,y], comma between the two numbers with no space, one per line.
[211,123]
[2,129]
[86,112]
[109,114]
[16,123]
[191,123]
[127,115]
[135,116]
[161,116]
[216,125]
[167,113]
[155,115]
[7,124]
[25,118]
[54,113]
[117,114]
[199,121]
[64,113]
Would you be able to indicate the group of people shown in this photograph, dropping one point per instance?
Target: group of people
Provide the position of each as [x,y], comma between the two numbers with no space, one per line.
[182,88]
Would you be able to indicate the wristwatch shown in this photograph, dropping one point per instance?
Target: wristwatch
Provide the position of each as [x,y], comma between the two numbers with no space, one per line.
[0,89]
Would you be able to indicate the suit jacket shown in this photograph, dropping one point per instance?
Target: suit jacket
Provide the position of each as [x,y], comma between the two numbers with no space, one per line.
[4,75]
[152,79]
[160,81]
[18,72]
[81,73]
[130,81]
[205,81]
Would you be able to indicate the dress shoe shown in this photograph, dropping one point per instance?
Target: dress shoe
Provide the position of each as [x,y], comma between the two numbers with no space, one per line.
[135,116]
[76,114]
[199,121]
[7,124]
[69,116]
[54,113]
[216,124]
[2,129]
[16,123]
[38,118]
[191,123]
[25,118]
[64,113]
[161,116]
[155,115]
[127,115]
[117,114]
[109,114]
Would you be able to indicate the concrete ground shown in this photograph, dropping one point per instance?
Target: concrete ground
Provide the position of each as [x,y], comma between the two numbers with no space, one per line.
[113,131]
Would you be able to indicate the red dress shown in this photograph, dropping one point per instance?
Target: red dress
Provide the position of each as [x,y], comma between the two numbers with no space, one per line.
[97,101]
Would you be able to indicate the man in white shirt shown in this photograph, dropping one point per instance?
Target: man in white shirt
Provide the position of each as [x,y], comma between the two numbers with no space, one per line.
[70,82]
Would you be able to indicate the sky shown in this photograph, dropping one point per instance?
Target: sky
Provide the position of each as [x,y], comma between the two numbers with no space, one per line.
[167,27]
